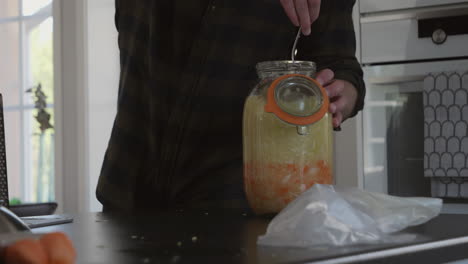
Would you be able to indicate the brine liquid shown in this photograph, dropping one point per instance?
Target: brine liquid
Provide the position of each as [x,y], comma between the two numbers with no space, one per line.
[280,164]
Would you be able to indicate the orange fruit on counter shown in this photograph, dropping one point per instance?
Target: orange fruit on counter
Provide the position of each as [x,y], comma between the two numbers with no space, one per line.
[26,251]
[59,248]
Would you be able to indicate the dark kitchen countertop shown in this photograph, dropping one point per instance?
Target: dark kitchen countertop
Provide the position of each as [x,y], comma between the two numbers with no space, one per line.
[230,237]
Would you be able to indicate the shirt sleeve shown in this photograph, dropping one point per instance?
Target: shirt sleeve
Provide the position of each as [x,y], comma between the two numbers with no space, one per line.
[332,44]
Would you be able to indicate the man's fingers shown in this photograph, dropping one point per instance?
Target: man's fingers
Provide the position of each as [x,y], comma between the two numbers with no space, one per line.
[324,76]
[335,89]
[337,119]
[290,9]
[302,11]
[338,108]
[340,104]
[332,108]
[314,10]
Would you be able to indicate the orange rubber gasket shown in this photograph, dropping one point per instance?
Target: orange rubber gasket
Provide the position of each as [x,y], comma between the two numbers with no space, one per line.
[272,107]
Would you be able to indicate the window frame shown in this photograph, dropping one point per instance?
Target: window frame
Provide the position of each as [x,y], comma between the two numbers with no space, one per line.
[70,89]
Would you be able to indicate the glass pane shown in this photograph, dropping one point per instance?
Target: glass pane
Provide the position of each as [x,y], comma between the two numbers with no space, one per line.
[41,159]
[32,6]
[9,8]
[41,65]
[9,63]
[13,152]
[394,131]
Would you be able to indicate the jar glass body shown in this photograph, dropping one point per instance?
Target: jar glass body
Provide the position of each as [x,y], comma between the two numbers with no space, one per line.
[279,162]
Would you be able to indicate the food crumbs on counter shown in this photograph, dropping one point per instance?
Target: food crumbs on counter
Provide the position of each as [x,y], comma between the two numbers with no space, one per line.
[179,244]
[194,239]
[321,248]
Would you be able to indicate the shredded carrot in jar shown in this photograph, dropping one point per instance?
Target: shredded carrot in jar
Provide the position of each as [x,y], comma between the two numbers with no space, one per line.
[283,183]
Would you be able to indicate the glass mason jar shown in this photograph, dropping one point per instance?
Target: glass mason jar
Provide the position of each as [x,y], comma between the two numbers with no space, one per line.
[287,135]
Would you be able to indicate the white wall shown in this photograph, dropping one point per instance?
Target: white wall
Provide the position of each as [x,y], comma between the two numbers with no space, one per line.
[87,72]
[103,77]
[348,142]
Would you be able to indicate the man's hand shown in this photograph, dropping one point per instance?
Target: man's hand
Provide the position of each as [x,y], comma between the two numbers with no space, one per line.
[342,94]
[302,12]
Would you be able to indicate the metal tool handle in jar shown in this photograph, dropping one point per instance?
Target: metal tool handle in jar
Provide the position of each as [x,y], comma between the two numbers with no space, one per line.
[293,52]
[300,129]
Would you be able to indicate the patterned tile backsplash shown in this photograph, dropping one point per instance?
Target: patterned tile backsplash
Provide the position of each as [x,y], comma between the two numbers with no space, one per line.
[445,100]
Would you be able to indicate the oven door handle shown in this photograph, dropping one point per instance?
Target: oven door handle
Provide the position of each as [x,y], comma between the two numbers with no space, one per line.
[396,79]
[416,13]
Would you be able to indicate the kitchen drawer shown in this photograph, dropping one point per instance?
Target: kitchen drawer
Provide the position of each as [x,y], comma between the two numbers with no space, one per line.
[370,6]
[395,37]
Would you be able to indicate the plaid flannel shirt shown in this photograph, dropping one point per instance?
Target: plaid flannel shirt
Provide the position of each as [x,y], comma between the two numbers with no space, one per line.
[186,69]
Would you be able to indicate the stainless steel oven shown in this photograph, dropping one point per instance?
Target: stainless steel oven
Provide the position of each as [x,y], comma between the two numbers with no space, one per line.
[415,121]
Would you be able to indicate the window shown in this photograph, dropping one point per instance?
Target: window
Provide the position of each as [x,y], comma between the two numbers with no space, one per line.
[26,60]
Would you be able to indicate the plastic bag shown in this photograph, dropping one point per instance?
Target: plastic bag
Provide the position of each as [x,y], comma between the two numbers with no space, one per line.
[326,215]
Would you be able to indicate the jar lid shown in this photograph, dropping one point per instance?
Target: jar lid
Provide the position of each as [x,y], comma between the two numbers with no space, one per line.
[287,67]
[297,99]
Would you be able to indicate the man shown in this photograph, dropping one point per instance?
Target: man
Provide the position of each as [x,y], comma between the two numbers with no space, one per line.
[186,69]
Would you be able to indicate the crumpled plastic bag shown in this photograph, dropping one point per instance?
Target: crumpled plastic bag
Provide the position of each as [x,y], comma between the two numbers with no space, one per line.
[326,215]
